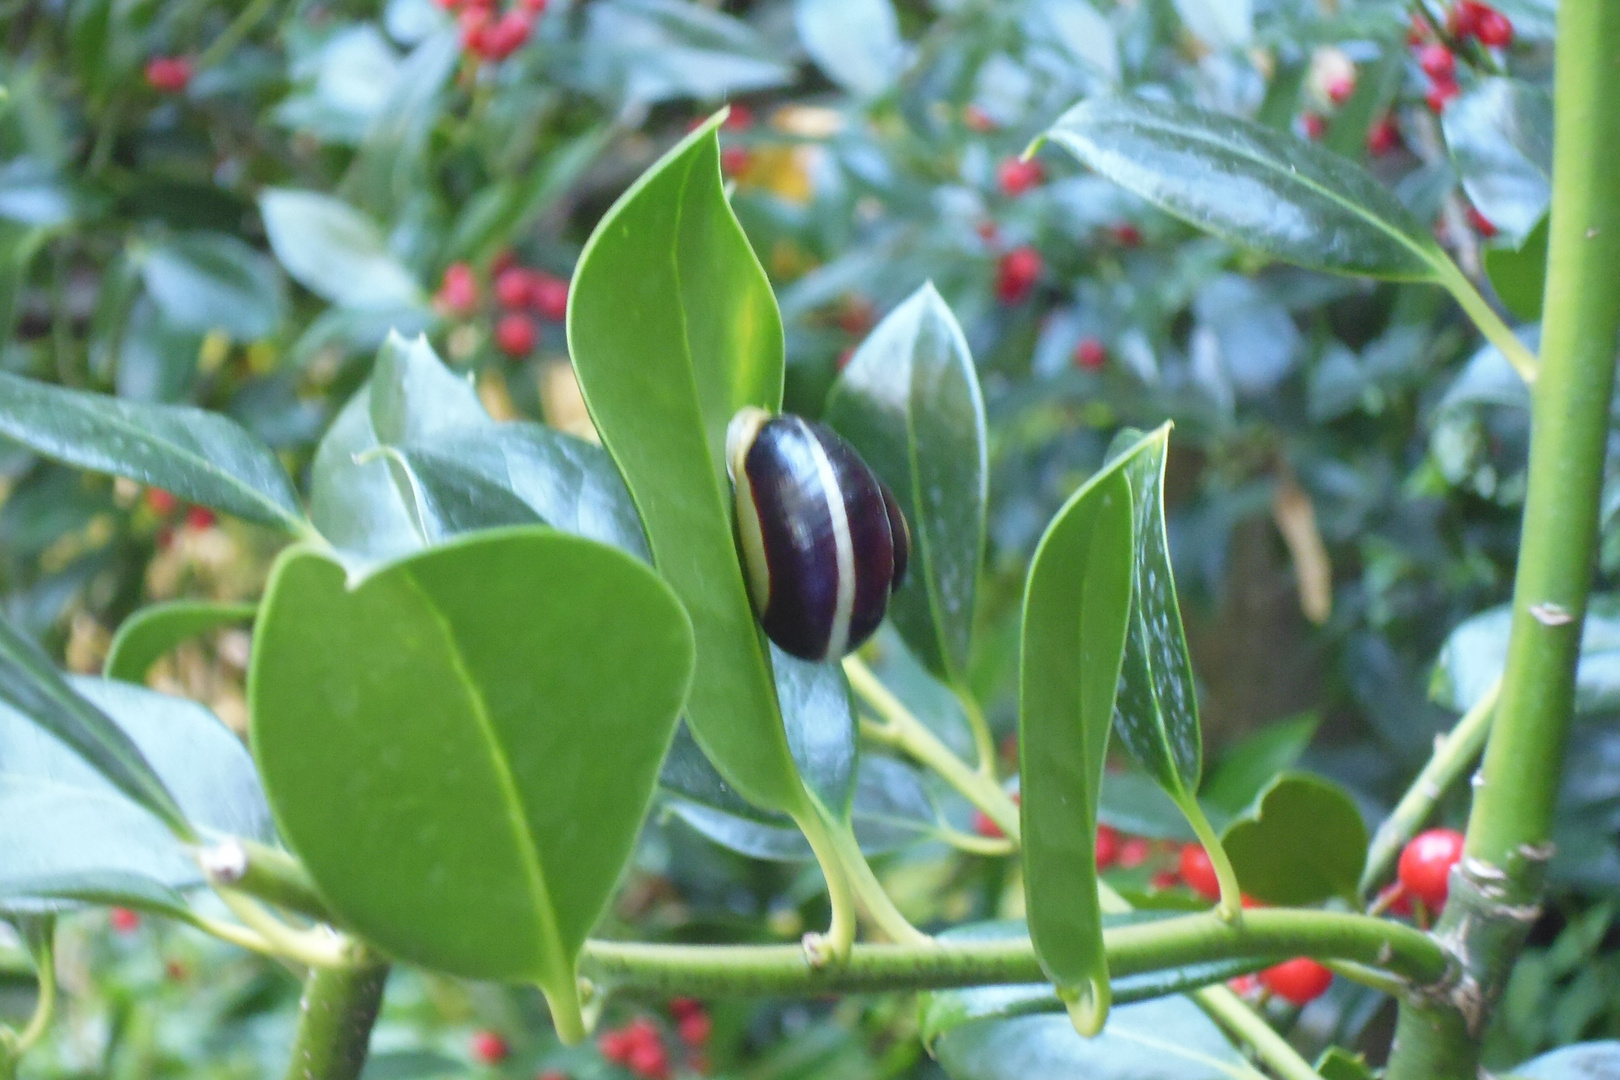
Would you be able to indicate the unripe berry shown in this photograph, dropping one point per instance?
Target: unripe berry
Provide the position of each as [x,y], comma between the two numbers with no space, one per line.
[549,295]
[1090,354]
[1437,61]
[514,287]
[1199,872]
[1015,177]
[168,74]
[1017,273]
[489,1048]
[1425,866]
[515,335]
[1299,981]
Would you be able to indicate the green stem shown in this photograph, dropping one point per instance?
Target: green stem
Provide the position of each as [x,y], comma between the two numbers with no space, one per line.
[263,872]
[1266,934]
[1496,890]
[833,946]
[984,743]
[1453,755]
[1487,320]
[335,1018]
[869,891]
[235,33]
[43,947]
[1232,1014]
[1230,907]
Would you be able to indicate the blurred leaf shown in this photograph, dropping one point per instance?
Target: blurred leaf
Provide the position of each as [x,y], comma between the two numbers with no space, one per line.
[1084,34]
[341,87]
[856,43]
[32,194]
[1519,274]
[1077,603]
[673,328]
[1220,24]
[30,684]
[1475,653]
[1249,765]
[413,395]
[654,50]
[1303,842]
[333,251]
[1166,1039]
[432,748]
[69,834]
[156,360]
[909,402]
[1255,337]
[819,720]
[1136,805]
[211,281]
[154,630]
[507,207]
[1252,186]
[1340,1064]
[199,456]
[1500,138]
[411,1065]
[1582,1061]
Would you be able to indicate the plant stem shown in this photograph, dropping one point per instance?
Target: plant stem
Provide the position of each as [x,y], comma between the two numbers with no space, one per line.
[984,743]
[1496,889]
[1232,1014]
[1268,934]
[1230,907]
[834,945]
[1488,321]
[1454,753]
[319,947]
[233,35]
[335,1018]
[869,891]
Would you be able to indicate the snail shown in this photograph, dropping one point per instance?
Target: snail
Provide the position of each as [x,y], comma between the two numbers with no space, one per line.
[824,543]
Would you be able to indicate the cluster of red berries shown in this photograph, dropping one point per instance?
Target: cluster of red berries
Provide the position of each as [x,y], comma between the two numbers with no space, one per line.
[489,35]
[1466,19]
[1423,874]
[1338,91]
[169,74]
[518,290]
[639,1045]
[164,505]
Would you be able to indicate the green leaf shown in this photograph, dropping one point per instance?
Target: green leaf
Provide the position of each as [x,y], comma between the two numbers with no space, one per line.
[673,328]
[856,43]
[819,720]
[1500,138]
[461,747]
[506,208]
[334,251]
[212,281]
[1252,186]
[154,630]
[1518,273]
[68,830]
[1582,1061]
[1475,653]
[30,683]
[909,402]
[1166,1039]
[483,476]
[1076,606]
[414,396]
[1136,805]
[1157,710]
[1376,87]
[1337,1063]
[202,457]
[1249,765]
[1302,842]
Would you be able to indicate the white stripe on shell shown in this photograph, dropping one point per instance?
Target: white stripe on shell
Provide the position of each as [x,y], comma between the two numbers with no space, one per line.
[843,544]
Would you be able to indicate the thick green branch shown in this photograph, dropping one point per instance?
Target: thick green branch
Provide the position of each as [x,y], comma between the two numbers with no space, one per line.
[335,1018]
[1132,950]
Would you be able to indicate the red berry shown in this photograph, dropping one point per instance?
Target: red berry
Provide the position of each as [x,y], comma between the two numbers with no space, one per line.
[1441,92]
[977,119]
[649,1060]
[200,517]
[1339,89]
[474,22]
[615,1045]
[489,1048]
[1107,848]
[1017,273]
[549,295]
[1015,177]
[1437,61]
[1482,224]
[1419,32]
[1133,852]
[458,290]
[502,262]
[168,74]
[1395,900]
[448,5]
[988,232]
[514,287]
[1090,354]
[734,160]
[124,920]
[983,826]
[1425,866]
[1199,872]
[1298,981]
[533,7]
[507,35]
[682,1007]
[515,335]
[695,1028]
[1463,17]
[1493,29]
[740,118]
[1127,235]
[160,502]
[1164,879]
[553,1074]
[1315,127]
[1243,984]
[1383,137]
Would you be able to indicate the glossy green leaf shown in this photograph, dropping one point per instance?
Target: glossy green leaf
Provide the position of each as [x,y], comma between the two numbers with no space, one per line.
[1582,1061]
[1166,1039]
[1475,653]
[154,630]
[200,456]
[483,476]
[1500,137]
[1252,186]
[30,684]
[1248,765]
[1157,709]
[414,396]
[673,328]
[461,747]
[213,281]
[68,832]
[856,43]
[1076,605]
[1136,805]
[1337,1063]
[334,251]
[909,401]
[819,720]
[1302,842]
[1518,273]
